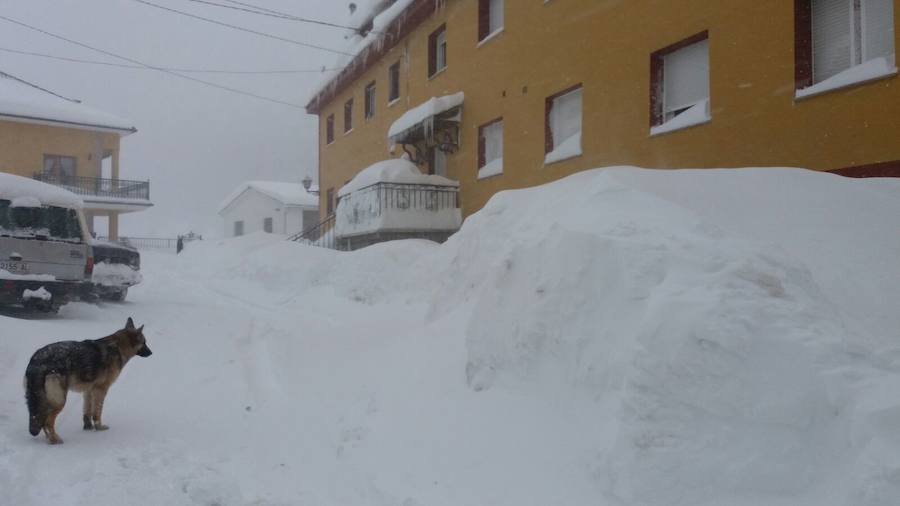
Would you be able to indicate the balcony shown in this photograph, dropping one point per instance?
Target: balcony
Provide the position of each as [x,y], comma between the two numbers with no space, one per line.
[387,211]
[103,194]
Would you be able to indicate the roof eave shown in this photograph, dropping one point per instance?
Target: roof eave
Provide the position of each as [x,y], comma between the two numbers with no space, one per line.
[68,124]
[404,24]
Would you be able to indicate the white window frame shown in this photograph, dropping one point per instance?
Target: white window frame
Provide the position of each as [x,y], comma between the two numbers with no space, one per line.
[491,135]
[553,122]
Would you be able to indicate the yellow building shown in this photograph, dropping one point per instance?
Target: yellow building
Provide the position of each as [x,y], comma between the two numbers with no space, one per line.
[552,87]
[64,142]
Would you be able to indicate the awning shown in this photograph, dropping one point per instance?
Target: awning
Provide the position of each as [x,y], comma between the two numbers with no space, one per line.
[422,121]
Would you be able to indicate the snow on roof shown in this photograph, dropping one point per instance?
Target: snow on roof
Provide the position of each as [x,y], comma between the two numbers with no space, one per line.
[428,109]
[382,13]
[22,188]
[396,170]
[289,194]
[20,101]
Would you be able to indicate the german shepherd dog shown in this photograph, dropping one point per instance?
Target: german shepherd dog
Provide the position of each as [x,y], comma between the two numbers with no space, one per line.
[88,366]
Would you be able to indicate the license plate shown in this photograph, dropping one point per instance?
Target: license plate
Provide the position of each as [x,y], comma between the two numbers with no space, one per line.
[14,267]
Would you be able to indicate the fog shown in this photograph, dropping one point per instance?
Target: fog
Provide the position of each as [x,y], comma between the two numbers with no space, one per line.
[194,143]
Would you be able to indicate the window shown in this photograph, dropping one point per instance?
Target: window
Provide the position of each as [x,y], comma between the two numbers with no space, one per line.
[437,51]
[679,85]
[267,225]
[438,162]
[238,228]
[394,81]
[348,116]
[59,166]
[329,129]
[329,201]
[562,125]
[490,17]
[490,149]
[370,100]
[834,36]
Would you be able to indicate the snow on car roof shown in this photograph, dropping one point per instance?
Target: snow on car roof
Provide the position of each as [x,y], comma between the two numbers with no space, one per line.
[17,187]
[21,101]
[289,194]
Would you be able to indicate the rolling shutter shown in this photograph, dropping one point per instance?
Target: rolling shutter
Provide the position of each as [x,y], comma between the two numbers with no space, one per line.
[831,44]
[686,76]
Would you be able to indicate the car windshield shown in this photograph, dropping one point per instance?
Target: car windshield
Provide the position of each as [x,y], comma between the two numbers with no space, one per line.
[40,223]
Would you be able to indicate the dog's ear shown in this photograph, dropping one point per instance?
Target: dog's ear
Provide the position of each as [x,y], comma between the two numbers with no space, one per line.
[129,324]
[141,329]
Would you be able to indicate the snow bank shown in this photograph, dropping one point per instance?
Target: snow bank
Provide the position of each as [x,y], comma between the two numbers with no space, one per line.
[425,111]
[703,313]
[23,190]
[396,170]
[22,102]
[39,294]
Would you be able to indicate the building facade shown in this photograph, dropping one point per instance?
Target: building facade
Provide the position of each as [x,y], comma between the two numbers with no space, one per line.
[66,143]
[553,87]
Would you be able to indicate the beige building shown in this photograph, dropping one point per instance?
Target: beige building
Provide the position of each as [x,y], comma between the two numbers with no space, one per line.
[61,141]
[552,87]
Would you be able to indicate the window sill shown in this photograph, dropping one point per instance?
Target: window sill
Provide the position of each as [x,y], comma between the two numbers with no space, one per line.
[698,114]
[392,103]
[348,132]
[439,72]
[489,37]
[870,71]
[492,169]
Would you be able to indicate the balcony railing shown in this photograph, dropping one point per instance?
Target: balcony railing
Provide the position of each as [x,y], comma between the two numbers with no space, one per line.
[396,207]
[98,186]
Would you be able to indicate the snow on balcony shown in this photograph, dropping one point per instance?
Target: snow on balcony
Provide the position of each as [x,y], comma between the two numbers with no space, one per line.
[393,196]
[424,113]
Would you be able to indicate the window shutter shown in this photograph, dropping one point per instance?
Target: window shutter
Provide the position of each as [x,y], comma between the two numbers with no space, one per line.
[565,117]
[495,16]
[686,76]
[493,142]
[831,37]
[878,29]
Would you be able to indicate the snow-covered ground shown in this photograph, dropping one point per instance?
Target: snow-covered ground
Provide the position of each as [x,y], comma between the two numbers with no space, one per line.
[620,337]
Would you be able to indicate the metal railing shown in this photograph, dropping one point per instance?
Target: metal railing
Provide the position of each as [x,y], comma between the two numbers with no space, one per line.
[98,186]
[406,196]
[146,242]
[321,234]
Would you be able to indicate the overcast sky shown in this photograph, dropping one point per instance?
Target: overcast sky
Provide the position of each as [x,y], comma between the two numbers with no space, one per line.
[194,143]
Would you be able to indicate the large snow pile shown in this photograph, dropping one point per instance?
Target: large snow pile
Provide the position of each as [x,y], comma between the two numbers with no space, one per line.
[619,337]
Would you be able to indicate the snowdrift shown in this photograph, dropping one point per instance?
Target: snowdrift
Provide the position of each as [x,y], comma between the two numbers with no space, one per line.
[738,327]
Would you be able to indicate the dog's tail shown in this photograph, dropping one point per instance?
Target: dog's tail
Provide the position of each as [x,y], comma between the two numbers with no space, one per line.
[36,398]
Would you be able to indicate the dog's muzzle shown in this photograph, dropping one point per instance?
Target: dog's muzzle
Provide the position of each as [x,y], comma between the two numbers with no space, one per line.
[144,351]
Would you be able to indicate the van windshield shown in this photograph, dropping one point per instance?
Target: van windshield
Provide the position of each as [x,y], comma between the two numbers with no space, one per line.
[46,223]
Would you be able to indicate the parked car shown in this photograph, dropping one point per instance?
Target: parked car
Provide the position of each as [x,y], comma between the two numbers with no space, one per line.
[45,251]
[116,268]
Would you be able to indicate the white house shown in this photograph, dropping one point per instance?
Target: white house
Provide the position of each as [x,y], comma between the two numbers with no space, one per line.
[269,206]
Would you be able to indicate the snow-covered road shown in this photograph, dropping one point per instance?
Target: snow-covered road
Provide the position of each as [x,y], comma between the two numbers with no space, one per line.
[252,399]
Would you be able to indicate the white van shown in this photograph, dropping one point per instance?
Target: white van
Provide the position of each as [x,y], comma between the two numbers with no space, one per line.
[45,251]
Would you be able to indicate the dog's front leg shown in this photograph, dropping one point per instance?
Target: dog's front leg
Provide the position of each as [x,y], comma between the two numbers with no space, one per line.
[88,413]
[98,396]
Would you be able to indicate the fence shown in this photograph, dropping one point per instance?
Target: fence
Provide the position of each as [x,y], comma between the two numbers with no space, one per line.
[321,234]
[98,187]
[147,242]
